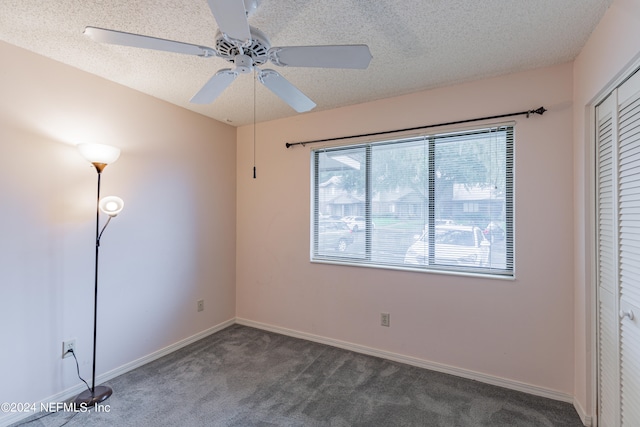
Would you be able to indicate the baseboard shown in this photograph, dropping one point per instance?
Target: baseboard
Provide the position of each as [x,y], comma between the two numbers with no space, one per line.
[77,389]
[162,352]
[587,420]
[434,366]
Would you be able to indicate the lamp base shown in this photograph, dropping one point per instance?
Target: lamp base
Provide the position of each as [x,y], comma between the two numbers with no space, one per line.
[100,394]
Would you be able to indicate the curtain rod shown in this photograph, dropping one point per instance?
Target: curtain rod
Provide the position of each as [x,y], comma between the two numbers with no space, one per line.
[540,111]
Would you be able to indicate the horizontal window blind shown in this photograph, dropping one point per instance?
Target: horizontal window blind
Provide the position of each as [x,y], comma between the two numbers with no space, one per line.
[434,202]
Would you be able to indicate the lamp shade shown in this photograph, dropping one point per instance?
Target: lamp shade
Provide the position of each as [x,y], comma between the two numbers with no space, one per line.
[111,205]
[99,153]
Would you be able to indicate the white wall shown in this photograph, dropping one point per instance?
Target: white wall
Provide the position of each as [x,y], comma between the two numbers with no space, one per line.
[520,330]
[173,244]
[611,49]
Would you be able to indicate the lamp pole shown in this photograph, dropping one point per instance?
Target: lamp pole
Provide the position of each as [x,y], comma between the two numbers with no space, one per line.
[95,294]
[100,393]
[100,156]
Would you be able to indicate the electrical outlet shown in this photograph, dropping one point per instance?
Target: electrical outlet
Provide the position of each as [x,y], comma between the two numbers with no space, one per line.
[200,305]
[66,346]
[385,319]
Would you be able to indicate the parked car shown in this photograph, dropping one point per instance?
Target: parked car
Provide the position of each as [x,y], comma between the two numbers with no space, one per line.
[454,245]
[324,217]
[493,231]
[357,223]
[334,235]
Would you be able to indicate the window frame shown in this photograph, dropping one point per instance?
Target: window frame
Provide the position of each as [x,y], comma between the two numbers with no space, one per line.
[508,272]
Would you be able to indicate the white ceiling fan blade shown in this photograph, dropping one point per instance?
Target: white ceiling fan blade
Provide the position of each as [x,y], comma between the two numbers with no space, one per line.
[285,90]
[231,17]
[330,56]
[102,35]
[215,86]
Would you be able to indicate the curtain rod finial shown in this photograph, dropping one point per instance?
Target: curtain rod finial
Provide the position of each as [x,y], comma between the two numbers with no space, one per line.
[540,111]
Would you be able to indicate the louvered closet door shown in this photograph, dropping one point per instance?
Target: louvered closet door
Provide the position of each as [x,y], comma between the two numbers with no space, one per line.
[629,256]
[618,234]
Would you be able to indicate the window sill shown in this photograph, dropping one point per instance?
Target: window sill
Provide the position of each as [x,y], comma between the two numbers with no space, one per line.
[477,274]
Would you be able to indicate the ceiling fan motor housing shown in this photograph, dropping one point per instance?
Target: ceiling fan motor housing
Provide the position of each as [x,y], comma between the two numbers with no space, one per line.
[257,49]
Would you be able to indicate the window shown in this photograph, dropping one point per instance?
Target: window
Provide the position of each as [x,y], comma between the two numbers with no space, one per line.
[434,202]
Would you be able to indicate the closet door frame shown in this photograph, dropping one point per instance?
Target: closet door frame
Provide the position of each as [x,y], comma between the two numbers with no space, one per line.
[591,219]
[611,286]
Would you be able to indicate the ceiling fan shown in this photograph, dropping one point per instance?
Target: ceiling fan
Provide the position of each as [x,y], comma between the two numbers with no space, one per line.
[247,48]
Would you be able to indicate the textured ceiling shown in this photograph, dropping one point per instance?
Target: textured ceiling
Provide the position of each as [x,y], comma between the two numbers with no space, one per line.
[415,45]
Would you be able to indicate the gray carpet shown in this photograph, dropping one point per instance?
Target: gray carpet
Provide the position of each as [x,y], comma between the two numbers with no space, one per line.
[243,376]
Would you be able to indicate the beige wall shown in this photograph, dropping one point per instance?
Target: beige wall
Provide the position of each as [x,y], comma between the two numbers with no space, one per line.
[176,240]
[519,330]
[611,50]
[173,244]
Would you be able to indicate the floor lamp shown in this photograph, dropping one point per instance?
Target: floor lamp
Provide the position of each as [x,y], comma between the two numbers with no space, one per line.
[100,156]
